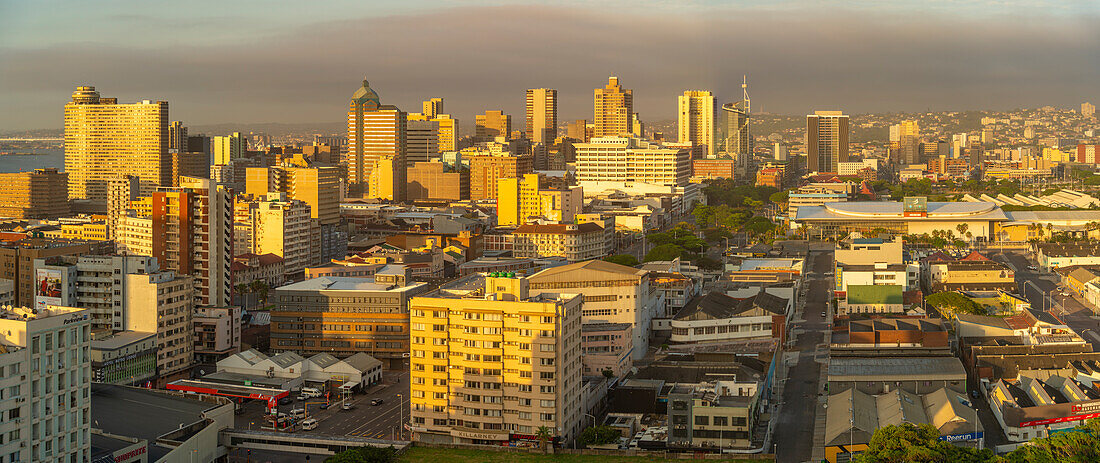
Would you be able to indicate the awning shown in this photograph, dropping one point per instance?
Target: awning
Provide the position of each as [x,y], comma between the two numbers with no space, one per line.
[347,386]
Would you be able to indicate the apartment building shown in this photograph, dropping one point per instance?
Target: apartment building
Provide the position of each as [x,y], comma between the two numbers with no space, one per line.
[436,181]
[698,112]
[542,115]
[95,283]
[607,347]
[574,242]
[620,159]
[45,376]
[163,303]
[344,316]
[488,167]
[274,224]
[39,194]
[612,294]
[613,110]
[521,199]
[217,333]
[492,363]
[17,261]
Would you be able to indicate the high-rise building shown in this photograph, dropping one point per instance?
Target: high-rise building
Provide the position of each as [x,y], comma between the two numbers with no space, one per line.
[189,230]
[93,283]
[578,130]
[616,159]
[826,140]
[697,124]
[423,142]
[637,127]
[907,137]
[613,110]
[164,303]
[120,192]
[1088,109]
[317,186]
[495,364]
[492,124]
[520,199]
[274,224]
[47,384]
[376,132]
[438,181]
[186,164]
[229,148]
[104,139]
[38,194]
[432,107]
[177,137]
[347,315]
[542,115]
[17,261]
[487,168]
[733,130]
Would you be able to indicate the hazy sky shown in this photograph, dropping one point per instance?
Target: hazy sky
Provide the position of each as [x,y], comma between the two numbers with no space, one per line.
[295,61]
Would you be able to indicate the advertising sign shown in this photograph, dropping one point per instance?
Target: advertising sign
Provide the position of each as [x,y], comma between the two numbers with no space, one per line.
[963,437]
[915,206]
[48,287]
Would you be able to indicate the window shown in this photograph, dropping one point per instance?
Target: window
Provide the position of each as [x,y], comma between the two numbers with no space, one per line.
[721,421]
[702,420]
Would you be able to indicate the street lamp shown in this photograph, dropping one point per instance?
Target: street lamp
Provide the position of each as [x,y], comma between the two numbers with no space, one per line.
[401,418]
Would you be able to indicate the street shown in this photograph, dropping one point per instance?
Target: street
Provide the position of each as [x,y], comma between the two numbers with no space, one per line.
[1044,292]
[364,420]
[794,431]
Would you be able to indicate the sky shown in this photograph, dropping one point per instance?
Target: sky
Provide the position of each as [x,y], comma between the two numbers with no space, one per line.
[250,61]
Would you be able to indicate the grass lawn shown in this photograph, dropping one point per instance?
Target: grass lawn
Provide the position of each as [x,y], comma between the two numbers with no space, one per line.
[429,455]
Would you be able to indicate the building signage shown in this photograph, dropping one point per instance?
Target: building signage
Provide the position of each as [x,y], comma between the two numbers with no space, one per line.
[479,435]
[48,286]
[963,437]
[131,454]
[75,318]
[1064,419]
[1091,407]
[915,206]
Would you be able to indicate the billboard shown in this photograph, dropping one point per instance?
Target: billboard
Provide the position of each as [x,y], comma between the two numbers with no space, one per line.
[49,285]
[914,206]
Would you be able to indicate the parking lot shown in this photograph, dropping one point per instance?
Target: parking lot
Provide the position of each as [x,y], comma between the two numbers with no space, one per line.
[381,421]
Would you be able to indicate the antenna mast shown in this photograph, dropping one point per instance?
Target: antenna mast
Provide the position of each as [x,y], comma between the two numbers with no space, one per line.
[745,92]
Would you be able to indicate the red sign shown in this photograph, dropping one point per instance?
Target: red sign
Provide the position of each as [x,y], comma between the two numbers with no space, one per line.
[914,214]
[272,402]
[1064,419]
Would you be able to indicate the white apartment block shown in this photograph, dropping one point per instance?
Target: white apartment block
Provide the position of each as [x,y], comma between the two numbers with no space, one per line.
[631,160]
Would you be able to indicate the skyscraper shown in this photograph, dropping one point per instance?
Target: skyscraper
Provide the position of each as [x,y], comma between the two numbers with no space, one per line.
[104,139]
[229,148]
[433,107]
[422,141]
[733,127]
[907,136]
[491,125]
[177,136]
[375,132]
[697,110]
[542,115]
[826,140]
[613,108]
[447,126]
[1088,109]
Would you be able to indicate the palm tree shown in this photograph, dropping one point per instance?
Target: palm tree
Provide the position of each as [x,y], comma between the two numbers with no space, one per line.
[962,228]
[544,435]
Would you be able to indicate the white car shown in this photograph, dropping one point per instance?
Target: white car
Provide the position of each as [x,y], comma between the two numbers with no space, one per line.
[309,424]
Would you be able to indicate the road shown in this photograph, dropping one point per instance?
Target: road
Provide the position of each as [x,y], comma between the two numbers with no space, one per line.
[794,430]
[365,420]
[1044,292]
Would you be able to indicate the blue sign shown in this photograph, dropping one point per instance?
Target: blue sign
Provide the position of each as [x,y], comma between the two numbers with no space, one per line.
[963,437]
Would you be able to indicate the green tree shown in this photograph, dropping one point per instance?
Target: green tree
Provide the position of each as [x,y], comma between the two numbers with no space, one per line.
[599,435]
[607,373]
[664,252]
[950,301]
[544,435]
[622,259]
[365,455]
[779,197]
[908,443]
[707,263]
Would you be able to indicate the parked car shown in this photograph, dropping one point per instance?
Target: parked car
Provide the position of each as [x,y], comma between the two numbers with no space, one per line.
[376,402]
[347,406]
[298,413]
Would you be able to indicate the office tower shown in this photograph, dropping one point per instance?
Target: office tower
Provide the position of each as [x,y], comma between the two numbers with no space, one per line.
[487,168]
[613,110]
[432,107]
[637,127]
[273,224]
[521,370]
[492,124]
[521,199]
[229,148]
[780,151]
[907,136]
[120,192]
[189,230]
[361,314]
[177,137]
[186,164]
[974,153]
[612,160]
[423,141]
[317,186]
[542,115]
[697,112]
[39,194]
[199,144]
[826,140]
[47,385]
[577,130]
[105,139]
[958,145]
[376,132]
[1088,109]
[438,181]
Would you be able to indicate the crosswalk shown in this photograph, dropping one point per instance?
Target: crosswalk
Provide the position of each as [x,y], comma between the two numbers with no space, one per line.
[376,435]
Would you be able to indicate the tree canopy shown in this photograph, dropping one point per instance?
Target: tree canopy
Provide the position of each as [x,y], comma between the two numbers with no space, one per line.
[365,455]
[599,435]
[952,302]
[622,259]
[907,443]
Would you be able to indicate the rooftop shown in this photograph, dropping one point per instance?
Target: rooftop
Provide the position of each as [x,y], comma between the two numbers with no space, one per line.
[120,339]
[896,369]
[143,413]
[886,210]
[334,283]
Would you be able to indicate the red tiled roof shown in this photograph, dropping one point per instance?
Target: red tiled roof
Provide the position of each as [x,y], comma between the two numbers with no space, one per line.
[938,256]
[975,255]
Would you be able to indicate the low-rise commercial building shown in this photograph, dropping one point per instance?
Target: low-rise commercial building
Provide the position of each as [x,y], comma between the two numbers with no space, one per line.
[718,415]
[217,332]
[125,357]
[718,317]
[574,242]
[607,347]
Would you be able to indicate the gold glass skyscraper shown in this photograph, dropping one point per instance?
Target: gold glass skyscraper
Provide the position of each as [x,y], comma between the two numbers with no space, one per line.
[613,108]
[542,115]
[106,140]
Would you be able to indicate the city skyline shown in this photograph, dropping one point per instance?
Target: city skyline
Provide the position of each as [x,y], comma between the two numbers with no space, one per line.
[863,57]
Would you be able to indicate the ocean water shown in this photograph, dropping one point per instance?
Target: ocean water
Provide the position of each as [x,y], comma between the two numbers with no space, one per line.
[53,157]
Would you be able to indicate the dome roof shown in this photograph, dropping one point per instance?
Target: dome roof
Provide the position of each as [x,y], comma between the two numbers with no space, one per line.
[365,94]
